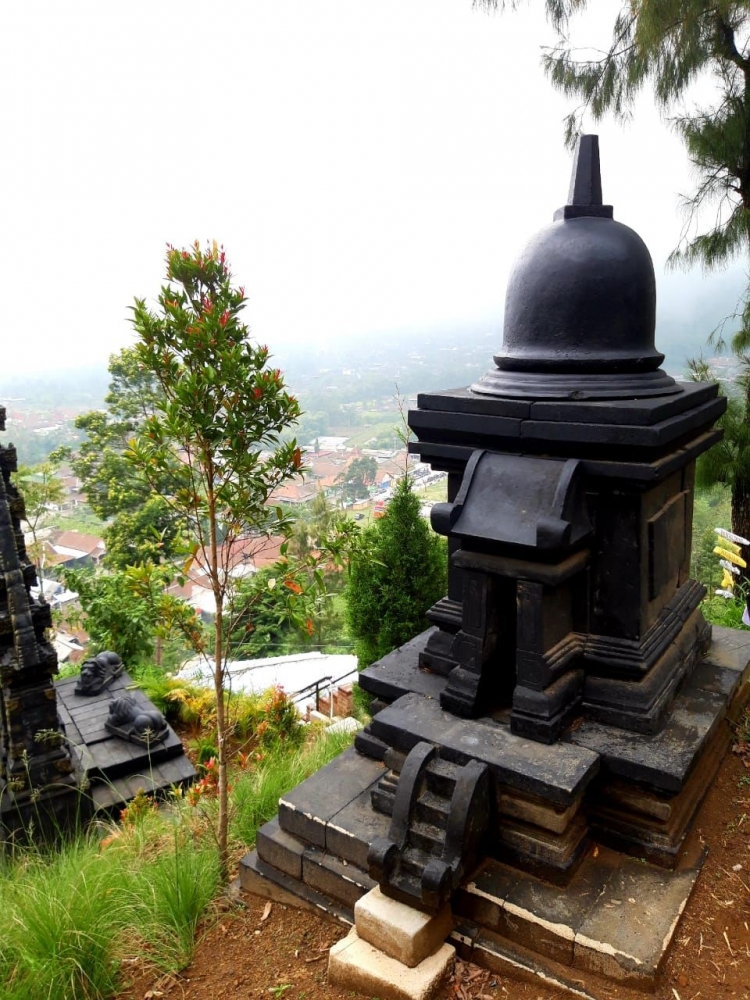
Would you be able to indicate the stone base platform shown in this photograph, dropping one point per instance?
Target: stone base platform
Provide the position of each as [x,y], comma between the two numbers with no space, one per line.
[635,793]
[110,771]
[116,769]
[615,919]
[603,797]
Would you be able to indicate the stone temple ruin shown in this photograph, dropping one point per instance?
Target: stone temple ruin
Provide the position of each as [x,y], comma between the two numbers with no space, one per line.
[33,755]
[539,754]
[65,755]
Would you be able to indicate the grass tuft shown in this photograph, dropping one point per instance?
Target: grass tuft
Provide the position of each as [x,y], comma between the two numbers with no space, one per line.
[256,794]
[176,889]
[63,914]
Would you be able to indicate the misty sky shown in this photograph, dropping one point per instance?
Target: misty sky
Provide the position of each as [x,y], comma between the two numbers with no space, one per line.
[370,165]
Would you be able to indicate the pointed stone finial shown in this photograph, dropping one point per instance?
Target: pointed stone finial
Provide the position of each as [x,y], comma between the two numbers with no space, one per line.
[586,179]
[585,196]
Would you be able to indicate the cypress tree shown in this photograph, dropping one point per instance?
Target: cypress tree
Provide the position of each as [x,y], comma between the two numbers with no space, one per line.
[396,573]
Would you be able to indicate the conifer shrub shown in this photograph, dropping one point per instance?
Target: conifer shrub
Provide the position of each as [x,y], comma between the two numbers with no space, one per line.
[397,572]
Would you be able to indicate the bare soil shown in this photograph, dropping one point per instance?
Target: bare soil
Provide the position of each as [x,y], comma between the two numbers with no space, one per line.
[252,949]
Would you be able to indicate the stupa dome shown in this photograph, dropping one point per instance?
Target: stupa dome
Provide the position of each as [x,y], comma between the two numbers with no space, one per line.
[580,307]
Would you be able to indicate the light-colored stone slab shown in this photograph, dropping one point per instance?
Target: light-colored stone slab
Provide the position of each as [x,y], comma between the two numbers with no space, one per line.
[537,813]
[354,964]
[399,930]
[629,929]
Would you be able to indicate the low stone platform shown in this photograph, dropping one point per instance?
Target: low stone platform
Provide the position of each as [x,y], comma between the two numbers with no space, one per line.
[616,918]
[109,771]
[613,914]
[641,795]
[115,769]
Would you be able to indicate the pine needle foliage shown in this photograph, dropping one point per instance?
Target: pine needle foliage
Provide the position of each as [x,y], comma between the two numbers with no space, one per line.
[666,46]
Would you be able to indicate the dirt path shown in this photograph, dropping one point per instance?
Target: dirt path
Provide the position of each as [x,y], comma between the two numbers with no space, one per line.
[254,952]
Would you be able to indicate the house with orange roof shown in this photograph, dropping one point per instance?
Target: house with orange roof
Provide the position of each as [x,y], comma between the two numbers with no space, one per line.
[73,550]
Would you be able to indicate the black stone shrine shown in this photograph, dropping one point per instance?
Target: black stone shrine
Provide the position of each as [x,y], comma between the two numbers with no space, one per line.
[569,690]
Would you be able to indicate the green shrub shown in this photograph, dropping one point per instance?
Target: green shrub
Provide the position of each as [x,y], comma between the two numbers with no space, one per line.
[246,713]
[177,699]
[398,571]
[205,750]
[723,611]
[280,723]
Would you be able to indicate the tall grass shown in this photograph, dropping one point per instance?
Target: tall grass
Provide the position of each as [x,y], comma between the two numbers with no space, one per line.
[72,914]
[255,797]
[63,916]
[174,890]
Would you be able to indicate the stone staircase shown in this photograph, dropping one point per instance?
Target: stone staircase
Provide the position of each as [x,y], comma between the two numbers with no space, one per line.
[439,815]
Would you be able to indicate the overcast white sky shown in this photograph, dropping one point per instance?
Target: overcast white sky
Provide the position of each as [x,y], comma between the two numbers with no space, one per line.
[368,164]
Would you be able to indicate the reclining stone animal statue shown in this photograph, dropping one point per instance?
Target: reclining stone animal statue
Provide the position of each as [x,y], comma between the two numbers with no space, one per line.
[98,673]
[132,722]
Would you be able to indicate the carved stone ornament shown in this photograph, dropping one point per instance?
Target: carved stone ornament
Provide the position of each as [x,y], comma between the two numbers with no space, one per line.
[130,721]
[98,674]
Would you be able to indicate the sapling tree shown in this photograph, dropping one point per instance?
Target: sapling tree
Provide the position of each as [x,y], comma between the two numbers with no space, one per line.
[221,409]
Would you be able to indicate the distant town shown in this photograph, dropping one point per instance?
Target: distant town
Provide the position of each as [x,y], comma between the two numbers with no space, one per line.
[352,432]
